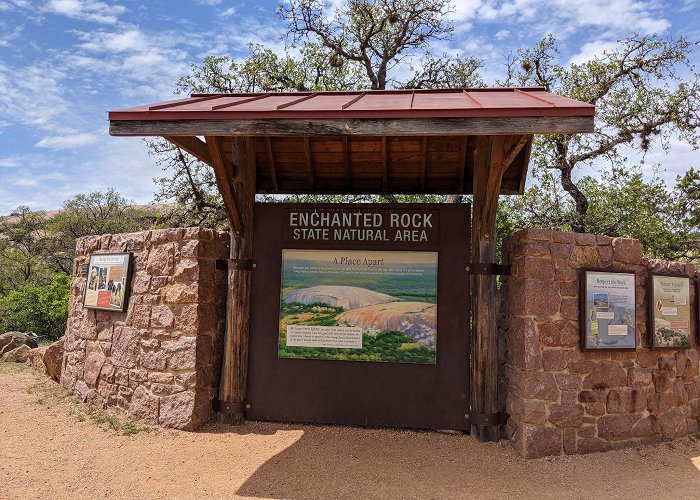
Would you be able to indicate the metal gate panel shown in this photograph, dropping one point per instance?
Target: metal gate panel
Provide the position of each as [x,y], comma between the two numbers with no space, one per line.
[361,392]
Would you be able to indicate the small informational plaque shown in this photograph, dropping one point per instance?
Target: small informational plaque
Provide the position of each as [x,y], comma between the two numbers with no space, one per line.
[108,282]
[669,316]
[608,310]
[336,337]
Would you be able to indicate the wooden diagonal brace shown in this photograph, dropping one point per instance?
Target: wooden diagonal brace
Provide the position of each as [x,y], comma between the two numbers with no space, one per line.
[193,145]
[224,173]
[514,150]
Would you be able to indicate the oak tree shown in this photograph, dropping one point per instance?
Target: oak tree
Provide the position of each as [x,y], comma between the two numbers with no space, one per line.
[645,92]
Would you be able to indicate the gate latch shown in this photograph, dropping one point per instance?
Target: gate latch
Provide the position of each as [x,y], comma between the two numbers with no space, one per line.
[486,419]
[490,268]
[236,264]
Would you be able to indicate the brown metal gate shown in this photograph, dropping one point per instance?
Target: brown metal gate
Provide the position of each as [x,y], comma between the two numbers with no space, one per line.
[359,392]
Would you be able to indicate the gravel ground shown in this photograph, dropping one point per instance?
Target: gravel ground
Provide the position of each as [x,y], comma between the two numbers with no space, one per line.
[52,447]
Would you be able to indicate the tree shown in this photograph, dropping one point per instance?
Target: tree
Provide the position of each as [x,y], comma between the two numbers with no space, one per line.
[355,48]
[622,204]
[23,244]
[642,97]
[90,214]
[377,34]
[265,71]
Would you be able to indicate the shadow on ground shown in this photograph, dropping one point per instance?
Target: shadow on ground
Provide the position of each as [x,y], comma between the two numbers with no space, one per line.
[346,462]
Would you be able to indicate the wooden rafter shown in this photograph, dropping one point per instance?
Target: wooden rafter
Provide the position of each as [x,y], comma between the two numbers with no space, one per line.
[193,145]
[271,163]
[346,162]
[385,166]
[423,152]
[224,174]
[309,162]
[462,163]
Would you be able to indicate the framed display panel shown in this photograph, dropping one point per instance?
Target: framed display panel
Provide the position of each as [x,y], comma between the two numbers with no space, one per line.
[359,305]
[669,311]
[608,310]
[108,281]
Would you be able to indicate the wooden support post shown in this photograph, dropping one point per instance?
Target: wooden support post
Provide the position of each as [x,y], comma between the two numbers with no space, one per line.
[234,371]
[495,153]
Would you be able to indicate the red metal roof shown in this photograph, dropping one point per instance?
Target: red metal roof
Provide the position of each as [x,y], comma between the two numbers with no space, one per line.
[442,103]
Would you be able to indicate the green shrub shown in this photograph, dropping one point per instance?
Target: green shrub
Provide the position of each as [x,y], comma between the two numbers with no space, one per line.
[39,309]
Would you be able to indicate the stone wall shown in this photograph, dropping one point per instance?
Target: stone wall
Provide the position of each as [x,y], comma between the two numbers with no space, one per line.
[565,401]
[159,361]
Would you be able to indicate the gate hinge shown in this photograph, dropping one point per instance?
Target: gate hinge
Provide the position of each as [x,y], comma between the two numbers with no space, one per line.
[486,419]
[488,268]
[229,407]
[236,264]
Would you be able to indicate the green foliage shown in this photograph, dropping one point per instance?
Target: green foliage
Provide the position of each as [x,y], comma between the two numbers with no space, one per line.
[42,309]
[622,204]
[91,214]
[266,71]
[23,244]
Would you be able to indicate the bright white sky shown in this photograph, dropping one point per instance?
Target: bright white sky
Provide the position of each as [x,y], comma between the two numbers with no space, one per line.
[65,63]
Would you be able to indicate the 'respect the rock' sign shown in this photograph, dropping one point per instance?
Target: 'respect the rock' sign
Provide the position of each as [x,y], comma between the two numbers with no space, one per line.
[350,226]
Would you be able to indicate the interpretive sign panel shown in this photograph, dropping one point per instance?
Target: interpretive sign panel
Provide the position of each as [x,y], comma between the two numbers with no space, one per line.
[108,282]
[608,310]
[359,305]
[669,311]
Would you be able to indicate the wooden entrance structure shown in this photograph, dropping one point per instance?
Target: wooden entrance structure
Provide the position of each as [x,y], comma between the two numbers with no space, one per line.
[454,141]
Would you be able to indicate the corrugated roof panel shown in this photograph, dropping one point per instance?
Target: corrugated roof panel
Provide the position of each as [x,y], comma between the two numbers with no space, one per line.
[514,100]
[383,101]
[204,104]
[453,100]
[321,101]
[263,104]
[387,104]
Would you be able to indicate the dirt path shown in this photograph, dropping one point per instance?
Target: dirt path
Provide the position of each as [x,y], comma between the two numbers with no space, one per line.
[51,447]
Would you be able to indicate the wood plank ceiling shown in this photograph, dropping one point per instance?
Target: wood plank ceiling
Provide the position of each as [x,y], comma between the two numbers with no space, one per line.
[369,164]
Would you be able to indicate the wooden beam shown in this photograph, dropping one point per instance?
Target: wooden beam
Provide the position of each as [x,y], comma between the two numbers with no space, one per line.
[223,172]
[309,162]
[491,155]
[385,166]
[462,165]
[234,370]
[423,152]
[390,127]
[271,162]
[193,145]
